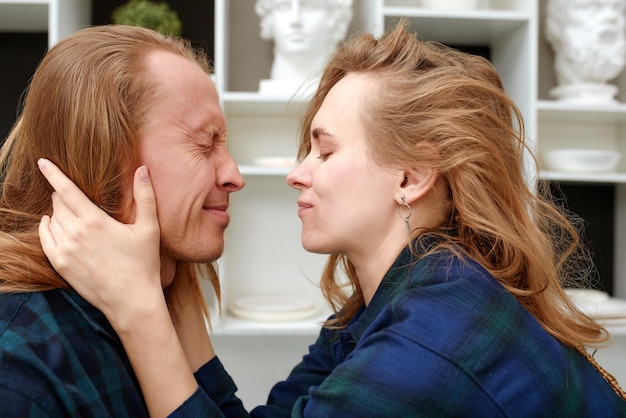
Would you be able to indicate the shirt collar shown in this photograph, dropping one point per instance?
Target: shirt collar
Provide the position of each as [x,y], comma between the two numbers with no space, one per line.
[395,277]
[94,317]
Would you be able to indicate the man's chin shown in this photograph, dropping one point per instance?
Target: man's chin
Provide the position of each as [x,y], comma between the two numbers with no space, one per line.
[209,255]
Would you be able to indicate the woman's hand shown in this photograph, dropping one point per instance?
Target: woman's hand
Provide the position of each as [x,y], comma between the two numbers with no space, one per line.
[115,266]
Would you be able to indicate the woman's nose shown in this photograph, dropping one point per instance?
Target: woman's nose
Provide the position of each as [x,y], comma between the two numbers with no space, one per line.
[299,177]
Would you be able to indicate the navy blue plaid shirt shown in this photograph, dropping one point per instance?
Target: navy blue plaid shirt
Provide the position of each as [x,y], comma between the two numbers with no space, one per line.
[440,338]
[59,357]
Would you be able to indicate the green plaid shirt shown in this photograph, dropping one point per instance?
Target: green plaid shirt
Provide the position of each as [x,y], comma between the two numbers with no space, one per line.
[59,357]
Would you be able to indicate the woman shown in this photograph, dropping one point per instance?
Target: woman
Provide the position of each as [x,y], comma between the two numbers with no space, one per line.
[411,178]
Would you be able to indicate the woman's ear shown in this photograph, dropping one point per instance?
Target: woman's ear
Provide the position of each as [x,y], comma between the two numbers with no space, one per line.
[418,183]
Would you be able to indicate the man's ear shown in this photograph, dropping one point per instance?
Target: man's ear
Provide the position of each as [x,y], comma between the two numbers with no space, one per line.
[417,183]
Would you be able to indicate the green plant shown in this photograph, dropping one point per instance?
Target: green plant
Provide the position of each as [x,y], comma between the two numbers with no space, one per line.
[148,14]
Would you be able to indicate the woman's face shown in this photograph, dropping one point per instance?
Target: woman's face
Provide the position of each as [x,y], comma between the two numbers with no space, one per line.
[346,201]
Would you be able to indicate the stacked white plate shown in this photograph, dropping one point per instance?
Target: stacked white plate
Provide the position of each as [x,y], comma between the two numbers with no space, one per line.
[599,305]
[273,308]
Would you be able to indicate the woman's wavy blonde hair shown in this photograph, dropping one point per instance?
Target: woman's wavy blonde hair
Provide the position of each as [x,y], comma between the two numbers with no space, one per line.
[437,107]
[84,105]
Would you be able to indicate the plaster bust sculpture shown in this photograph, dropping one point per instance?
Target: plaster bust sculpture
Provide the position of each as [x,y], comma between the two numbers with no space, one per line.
[588,38]
[305,34]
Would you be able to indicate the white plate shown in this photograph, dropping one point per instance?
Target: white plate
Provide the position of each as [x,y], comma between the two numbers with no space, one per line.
[582,160]
[273,308]
[275,161]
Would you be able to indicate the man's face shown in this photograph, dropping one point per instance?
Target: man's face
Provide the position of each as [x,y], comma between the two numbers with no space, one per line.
[183,144]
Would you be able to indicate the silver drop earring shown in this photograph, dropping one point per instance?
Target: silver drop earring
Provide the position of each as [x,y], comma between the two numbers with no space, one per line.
[406,217]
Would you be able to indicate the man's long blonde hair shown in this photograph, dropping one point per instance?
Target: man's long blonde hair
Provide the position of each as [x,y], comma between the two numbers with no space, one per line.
[84,106]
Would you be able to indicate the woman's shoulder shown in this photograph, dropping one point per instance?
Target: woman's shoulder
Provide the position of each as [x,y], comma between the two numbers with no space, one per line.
[452,305]
[449,267]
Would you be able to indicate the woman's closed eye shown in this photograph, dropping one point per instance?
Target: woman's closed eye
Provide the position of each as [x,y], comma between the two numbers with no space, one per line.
[324,156]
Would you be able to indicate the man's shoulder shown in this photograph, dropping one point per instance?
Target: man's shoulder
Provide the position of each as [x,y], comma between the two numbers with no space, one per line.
[15,307]
[53,358]
[26,326]
[31,318]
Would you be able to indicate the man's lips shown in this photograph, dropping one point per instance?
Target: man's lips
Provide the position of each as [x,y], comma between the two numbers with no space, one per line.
[219,211]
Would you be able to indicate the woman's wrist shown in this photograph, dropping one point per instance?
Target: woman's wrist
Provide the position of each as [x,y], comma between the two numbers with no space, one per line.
[191,328]
[132,314]
[150,339]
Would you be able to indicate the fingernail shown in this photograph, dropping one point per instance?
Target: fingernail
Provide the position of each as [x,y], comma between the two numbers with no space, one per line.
[41,163]
[143,174]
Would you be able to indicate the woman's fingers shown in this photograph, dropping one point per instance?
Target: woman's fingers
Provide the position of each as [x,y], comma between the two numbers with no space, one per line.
[73,197]
[145,201]
[46,238]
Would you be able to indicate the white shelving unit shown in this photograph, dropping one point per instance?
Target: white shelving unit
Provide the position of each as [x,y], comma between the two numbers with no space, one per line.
[584,126]
[58,18]
[263,252]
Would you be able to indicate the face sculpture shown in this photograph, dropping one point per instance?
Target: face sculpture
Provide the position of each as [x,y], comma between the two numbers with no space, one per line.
[589,39]
[304,33]
[300,27]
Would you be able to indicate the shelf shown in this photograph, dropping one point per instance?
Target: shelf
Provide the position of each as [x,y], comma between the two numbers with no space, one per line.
[554,111]
[254,170]
[23,16]
[600,178]
[476,27]
[58,18]
[490,15]
[262,104]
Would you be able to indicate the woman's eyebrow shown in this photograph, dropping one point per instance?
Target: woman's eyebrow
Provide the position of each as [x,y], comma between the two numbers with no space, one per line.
[317,132]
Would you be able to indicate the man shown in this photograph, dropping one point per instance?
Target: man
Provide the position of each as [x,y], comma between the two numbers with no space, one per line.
[103,102]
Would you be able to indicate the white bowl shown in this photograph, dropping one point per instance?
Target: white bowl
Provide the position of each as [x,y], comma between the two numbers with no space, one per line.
[582,160]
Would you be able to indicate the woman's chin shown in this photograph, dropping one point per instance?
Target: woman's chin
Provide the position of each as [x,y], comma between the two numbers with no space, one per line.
[315,247]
